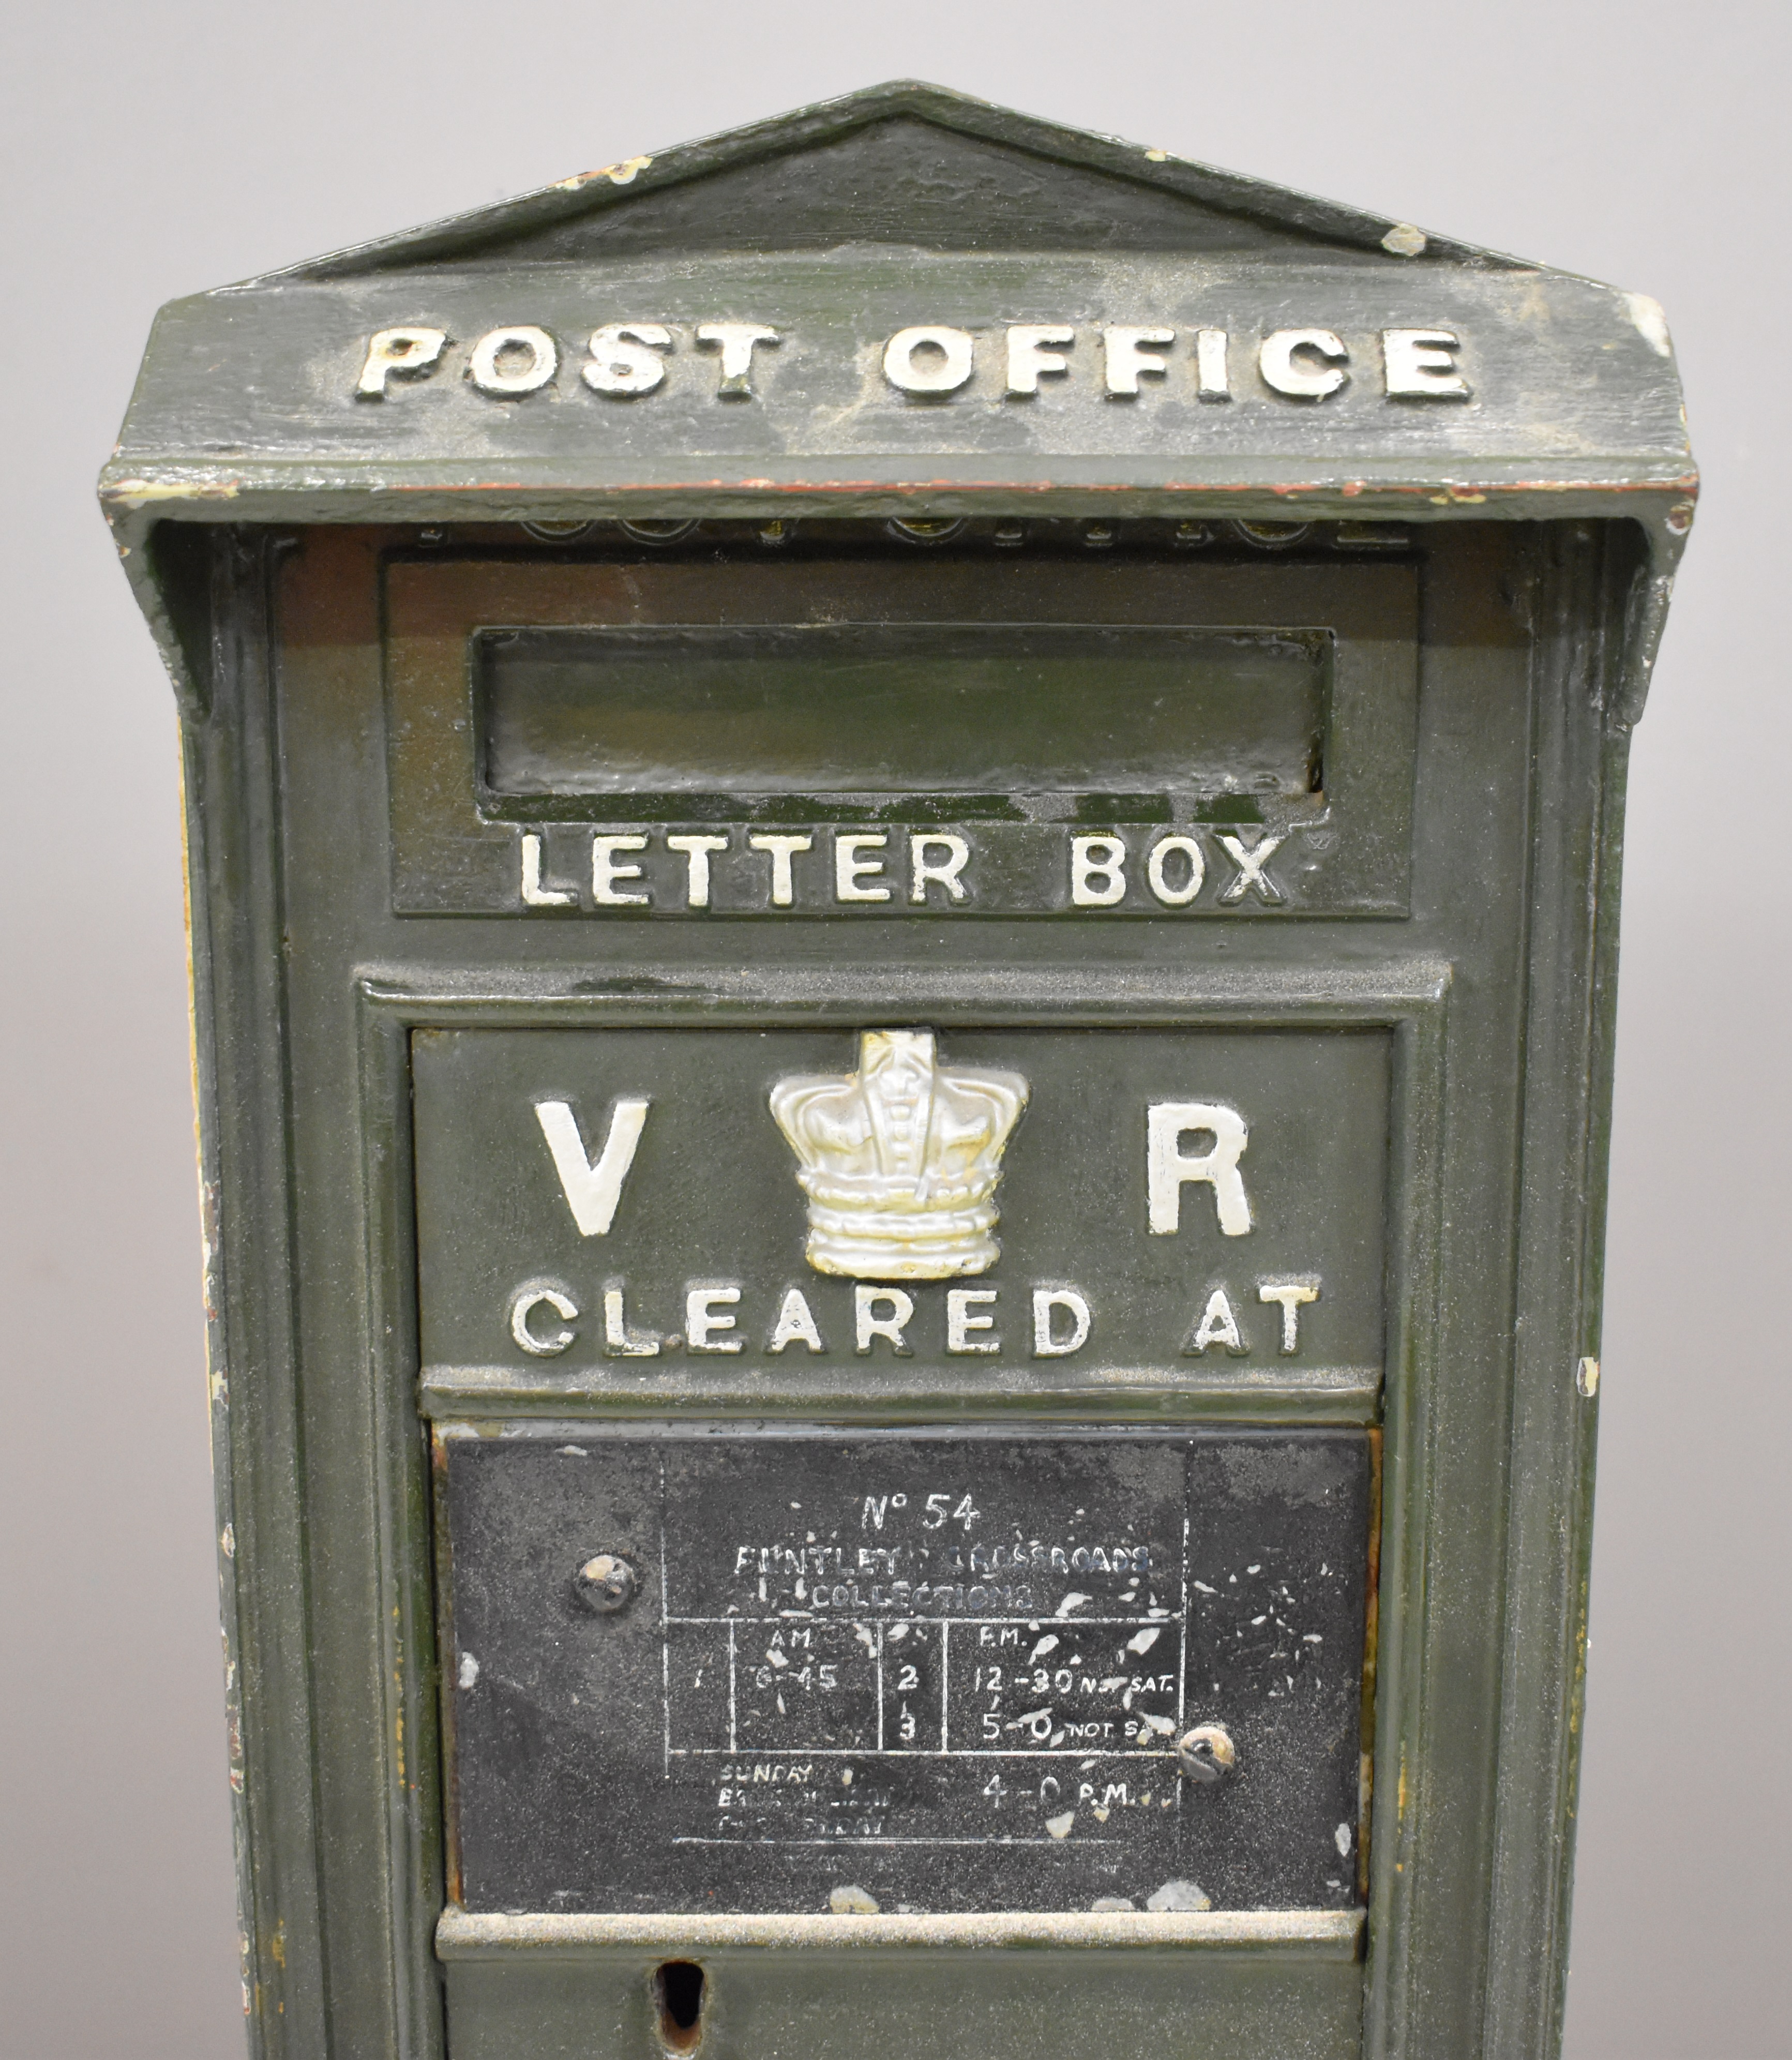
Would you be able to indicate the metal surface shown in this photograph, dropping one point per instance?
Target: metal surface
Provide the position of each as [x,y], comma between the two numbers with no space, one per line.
[1576,407]
[1301,731]
[1189,1087]
[687,1290]
[605,1584]
[465,1934]
[948,1674]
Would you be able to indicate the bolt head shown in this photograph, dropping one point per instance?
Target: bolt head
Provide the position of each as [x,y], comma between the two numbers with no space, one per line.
[1206,1753]
[605,1584]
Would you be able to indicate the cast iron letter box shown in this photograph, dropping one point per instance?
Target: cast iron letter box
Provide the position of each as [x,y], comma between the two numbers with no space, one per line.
[902,837]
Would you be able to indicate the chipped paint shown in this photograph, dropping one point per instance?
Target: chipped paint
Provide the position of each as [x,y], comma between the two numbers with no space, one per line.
[623,172]
[139,492]
[1651,322]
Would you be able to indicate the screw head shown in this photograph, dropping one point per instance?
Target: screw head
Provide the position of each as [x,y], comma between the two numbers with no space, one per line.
[605,1584]
[1206,1753]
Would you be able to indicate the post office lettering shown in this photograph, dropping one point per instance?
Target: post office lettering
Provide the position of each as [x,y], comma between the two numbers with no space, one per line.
[1038,363]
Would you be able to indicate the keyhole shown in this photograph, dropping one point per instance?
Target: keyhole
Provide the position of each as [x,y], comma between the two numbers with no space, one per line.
[678,1987]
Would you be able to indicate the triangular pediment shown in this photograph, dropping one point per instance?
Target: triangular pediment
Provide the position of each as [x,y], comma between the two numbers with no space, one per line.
[904,165]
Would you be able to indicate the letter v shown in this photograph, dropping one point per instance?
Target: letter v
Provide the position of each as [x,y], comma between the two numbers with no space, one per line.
[592,1187]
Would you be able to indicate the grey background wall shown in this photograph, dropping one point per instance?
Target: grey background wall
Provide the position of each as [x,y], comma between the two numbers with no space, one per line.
[155,151]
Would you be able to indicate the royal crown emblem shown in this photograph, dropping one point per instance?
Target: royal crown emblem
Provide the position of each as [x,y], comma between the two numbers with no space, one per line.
[900,1160]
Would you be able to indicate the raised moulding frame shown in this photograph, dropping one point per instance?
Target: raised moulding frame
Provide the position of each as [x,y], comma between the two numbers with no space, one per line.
[456,847]
[1407,998]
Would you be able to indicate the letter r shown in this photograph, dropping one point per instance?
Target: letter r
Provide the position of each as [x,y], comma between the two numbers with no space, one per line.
[1167,1168]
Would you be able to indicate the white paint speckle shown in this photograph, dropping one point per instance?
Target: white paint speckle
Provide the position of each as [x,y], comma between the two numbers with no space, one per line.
[1072,1602]
[1182,1895]
[1341,1839]
[469,1670]
[853,1902]
[1403,240]
[1110,1906]
[1048,1643]
[1142,1642]
[1059,1828]
[573,1451]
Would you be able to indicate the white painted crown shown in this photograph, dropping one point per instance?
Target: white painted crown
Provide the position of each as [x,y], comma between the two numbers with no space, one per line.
[900,1160]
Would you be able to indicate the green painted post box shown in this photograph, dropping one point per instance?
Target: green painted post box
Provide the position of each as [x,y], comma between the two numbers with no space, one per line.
[904,837]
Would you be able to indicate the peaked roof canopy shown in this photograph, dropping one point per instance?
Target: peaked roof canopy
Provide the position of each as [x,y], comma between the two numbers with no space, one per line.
[902,163]
[904,301]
